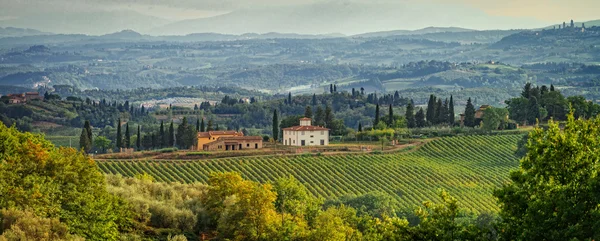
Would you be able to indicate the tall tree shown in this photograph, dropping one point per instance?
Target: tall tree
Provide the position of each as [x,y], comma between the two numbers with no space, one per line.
[376,121]
[470,114]
[119,138]
[439,112]
[533,114]
[410,115]
[308,112]
[431,109]
[289,98]
[88,129]
[275,126]
[551,87]
[334,88]
[84,141]
[209,127]
[331,88]
[420,118]
[319,117]
[197,124]
[526,91]
[171,135]
[202,129]
[451,111]
[314,100]
[138,141]
[329,117]
[359,127]
[390,118]
[127,136]
[554,193]
[162,137]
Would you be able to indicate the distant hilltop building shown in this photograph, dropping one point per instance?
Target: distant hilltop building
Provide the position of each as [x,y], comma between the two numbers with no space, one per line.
[306,134]
[23,98]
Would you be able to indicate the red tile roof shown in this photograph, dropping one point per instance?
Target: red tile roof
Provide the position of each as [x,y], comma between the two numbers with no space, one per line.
[219,133]
[305,128]
[304,118]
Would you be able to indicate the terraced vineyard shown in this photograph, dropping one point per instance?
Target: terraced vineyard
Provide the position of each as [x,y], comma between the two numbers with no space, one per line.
[468,167]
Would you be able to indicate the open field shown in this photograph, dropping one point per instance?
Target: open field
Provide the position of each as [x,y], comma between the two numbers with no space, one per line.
[469,167]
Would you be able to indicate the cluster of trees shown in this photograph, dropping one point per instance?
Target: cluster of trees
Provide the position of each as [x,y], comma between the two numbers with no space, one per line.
[543,103]
[440,112]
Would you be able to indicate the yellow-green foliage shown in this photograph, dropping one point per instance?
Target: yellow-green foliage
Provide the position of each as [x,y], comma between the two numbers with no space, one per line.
[468,167]
[57,183]
[16,225]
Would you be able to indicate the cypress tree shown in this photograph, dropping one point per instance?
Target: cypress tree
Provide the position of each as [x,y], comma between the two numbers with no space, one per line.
[469,114]
[162,137]
[420,118]
[390,118]
[275,126]
[308,112]
[88,129]
[119,140]
[331,88]
[138,142]
[551,87]
[209,126]
[328,117]
[202,129]
[533,114]
[127,136]
[84,141]
[171,135]
[451,111]
[439,112]
[154,141]
[431,109]
[376,115]
[319,117]
[526,91]
[410,115]
[290,98]
[359,127]
[334,88]
[197,124]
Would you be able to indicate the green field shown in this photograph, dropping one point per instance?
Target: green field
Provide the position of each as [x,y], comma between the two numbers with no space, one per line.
[468,167]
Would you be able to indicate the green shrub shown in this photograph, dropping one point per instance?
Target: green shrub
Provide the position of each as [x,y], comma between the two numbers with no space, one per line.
[167,150]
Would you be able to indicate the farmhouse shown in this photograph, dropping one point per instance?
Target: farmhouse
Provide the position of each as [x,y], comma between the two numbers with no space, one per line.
[305,134]
[227,140]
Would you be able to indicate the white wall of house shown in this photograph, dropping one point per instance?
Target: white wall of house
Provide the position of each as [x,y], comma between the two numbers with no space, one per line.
[310,138]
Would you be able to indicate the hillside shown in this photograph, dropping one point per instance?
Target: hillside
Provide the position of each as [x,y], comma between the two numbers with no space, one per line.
[468,167]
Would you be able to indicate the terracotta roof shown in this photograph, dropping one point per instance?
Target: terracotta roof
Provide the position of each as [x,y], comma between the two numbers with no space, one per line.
[305,128]
[218,133]
[304,118]
[240,138]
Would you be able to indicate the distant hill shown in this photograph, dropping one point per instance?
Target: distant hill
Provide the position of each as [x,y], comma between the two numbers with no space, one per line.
[19,32]
[414,32]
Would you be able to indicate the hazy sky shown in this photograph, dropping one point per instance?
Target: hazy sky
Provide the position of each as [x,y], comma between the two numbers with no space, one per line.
[527,13]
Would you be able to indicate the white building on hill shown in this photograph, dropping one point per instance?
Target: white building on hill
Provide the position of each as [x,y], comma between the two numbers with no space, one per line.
[305,134]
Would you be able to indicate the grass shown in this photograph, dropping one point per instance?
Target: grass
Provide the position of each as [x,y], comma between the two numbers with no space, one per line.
[468,167]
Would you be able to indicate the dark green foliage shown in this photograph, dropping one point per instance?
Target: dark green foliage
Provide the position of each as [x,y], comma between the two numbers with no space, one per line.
[171,136]
[275,126]
[138,142]
[127,140]
[185,134]
[420,118]
[308,112]
[451,111]
[319,117]
[119,138]
[202,128]
[376,121]
[410,115]
[390,117]
[84,141]
[329,118]
[469,114]
[162,136]
[431,112]
[533,112]
[359,127]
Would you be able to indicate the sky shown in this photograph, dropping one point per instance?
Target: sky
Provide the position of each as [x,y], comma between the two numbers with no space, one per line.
[476,14]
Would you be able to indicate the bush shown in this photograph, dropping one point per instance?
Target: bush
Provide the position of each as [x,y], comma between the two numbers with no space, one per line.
[167,150]
[23,225]
[198,153]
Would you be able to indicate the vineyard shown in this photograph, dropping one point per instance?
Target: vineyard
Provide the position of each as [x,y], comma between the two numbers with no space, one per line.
[468,167]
